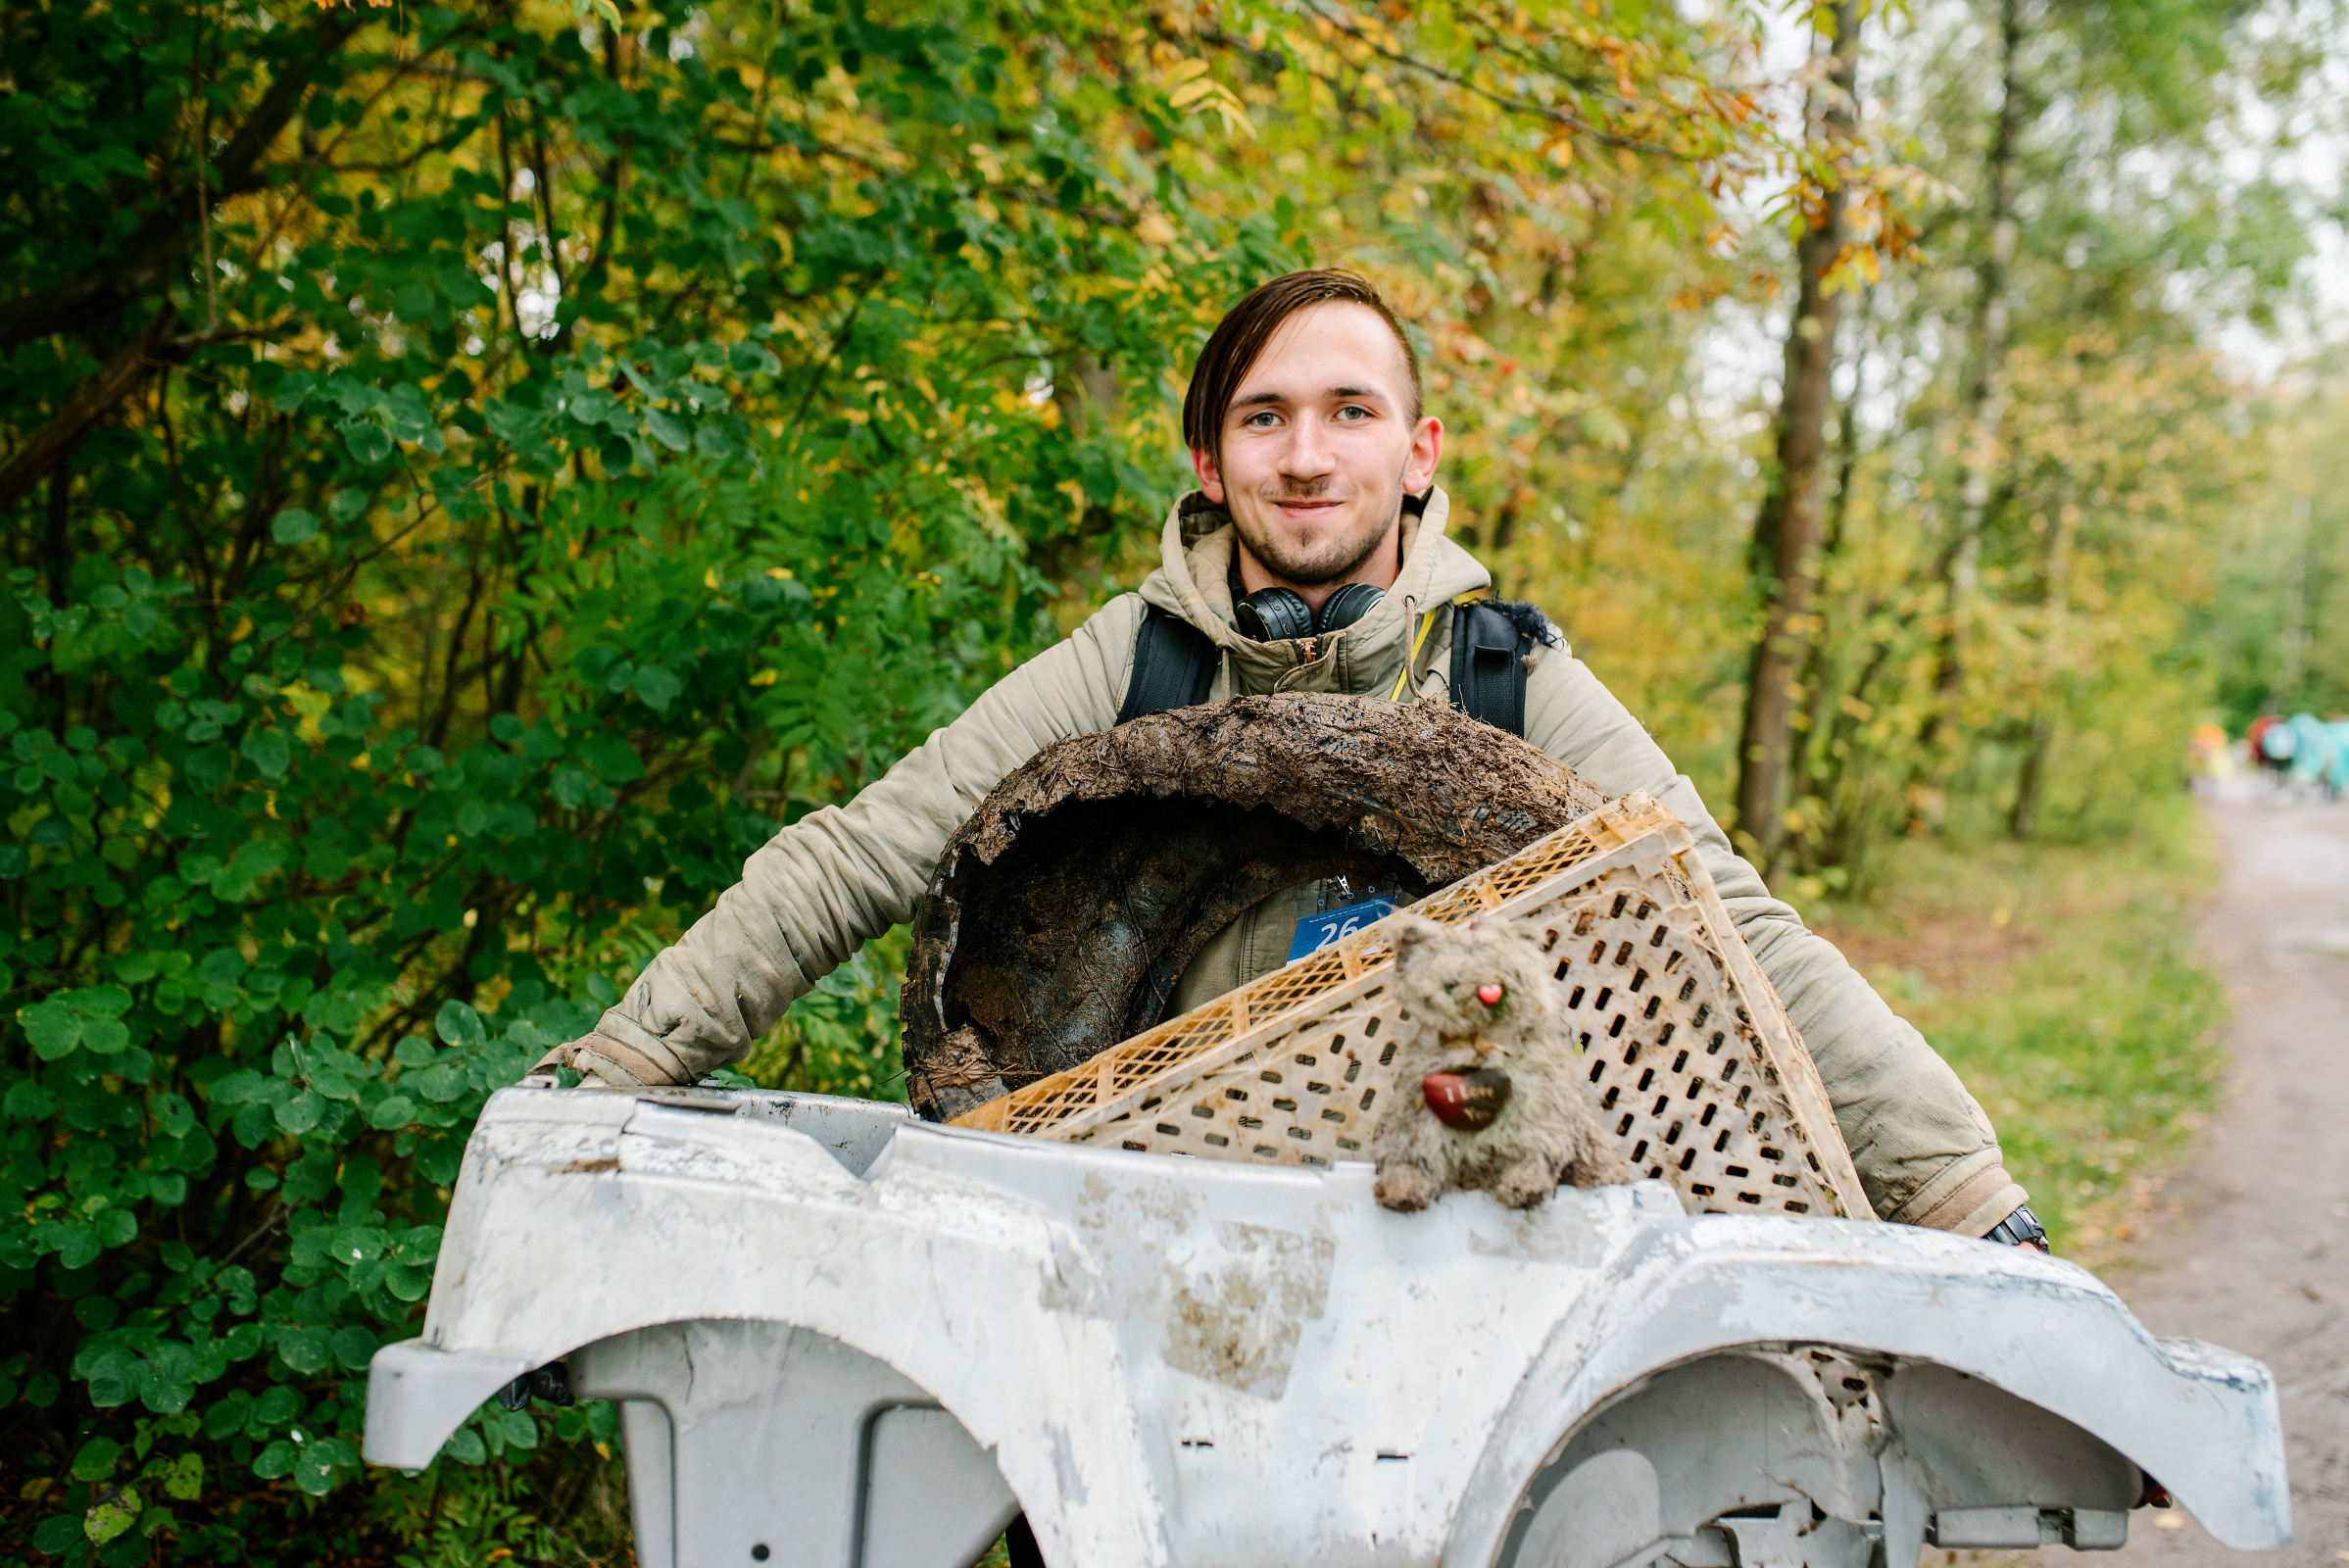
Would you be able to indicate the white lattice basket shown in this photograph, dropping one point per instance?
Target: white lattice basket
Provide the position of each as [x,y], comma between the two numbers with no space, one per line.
[1692,1064]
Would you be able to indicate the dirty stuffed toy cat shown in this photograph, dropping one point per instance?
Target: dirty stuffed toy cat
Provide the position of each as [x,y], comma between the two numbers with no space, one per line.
[1488,1095]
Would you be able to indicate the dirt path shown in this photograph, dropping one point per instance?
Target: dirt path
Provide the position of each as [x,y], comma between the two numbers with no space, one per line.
[2249,1247]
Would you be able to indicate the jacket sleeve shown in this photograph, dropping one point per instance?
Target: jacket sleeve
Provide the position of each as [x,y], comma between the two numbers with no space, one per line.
[1925,1151]
[843,875]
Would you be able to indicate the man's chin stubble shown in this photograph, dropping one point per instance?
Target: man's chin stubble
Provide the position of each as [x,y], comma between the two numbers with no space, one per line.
[1325,565]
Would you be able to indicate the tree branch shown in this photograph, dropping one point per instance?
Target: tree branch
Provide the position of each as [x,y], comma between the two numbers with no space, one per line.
[120,375]
[155,246]
[1521,106]
[113,384]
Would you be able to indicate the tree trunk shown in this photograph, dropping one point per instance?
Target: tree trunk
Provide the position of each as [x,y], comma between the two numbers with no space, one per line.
[2023,821]
[1809,769]
[1984,401]
[1786,528]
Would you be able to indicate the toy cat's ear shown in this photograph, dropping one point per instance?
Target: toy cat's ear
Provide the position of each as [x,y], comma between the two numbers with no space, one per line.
[1410,931]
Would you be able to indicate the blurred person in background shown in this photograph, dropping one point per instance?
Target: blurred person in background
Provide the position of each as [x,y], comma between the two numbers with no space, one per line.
[2210,760]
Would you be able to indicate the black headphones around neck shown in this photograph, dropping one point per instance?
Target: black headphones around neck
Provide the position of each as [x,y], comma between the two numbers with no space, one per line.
[1280,614]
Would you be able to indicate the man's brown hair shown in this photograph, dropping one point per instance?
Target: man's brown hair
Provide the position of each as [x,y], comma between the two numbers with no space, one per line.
[1239,340]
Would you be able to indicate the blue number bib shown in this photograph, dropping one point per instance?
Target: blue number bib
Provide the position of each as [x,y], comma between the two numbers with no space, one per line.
[1317,931]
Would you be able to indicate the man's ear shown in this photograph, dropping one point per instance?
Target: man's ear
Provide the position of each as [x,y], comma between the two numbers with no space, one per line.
[1427,450]
[1210,477]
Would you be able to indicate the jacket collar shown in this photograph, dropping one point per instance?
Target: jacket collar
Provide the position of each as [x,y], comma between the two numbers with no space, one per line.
[1192,582]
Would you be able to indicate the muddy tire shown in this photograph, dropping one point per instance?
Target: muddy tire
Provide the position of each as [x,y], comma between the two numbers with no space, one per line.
[1065,909]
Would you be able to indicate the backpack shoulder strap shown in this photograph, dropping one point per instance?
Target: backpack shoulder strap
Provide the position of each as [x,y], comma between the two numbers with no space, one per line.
[1488,649]
[1174,666]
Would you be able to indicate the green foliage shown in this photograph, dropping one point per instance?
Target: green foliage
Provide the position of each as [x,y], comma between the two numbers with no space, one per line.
[557,1505]
[2278,630]
[842,1037]
[555,458]
[2036,460]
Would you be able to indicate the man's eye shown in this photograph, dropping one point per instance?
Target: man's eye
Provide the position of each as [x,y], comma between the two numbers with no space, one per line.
[1261,420]
[1353,412]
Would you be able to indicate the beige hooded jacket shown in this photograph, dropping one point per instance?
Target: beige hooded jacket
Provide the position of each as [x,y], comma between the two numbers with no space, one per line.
[843,874]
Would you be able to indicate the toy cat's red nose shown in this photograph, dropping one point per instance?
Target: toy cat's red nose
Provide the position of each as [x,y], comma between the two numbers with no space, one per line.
[1489,994]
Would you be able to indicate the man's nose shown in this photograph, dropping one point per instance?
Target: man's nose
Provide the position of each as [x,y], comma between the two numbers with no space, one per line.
[1309,455]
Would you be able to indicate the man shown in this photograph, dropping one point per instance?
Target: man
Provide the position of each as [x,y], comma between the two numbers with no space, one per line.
[1311,559]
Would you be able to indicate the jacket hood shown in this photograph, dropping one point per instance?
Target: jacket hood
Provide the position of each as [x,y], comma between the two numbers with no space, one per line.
[1192,582]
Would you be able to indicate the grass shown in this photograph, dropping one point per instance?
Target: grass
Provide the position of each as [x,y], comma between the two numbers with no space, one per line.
[2063,984]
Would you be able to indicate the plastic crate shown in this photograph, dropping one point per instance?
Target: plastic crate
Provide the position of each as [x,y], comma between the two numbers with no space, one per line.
[1691,1061]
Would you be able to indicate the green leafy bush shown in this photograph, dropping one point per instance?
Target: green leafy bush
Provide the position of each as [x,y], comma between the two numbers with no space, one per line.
[549,463]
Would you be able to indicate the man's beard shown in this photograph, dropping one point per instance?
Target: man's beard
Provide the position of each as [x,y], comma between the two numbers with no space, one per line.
[1327,560]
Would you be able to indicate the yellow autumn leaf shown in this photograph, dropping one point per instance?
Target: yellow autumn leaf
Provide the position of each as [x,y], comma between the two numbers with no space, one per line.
[1235,122]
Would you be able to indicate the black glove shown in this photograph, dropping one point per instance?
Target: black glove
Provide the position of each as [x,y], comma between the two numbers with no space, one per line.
[2022,1228]
[551,1382]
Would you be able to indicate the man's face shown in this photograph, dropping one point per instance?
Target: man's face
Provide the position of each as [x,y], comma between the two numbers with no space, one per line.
[1319,446]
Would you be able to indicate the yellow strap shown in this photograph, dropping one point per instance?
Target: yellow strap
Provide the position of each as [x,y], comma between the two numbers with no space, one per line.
[1426,626]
